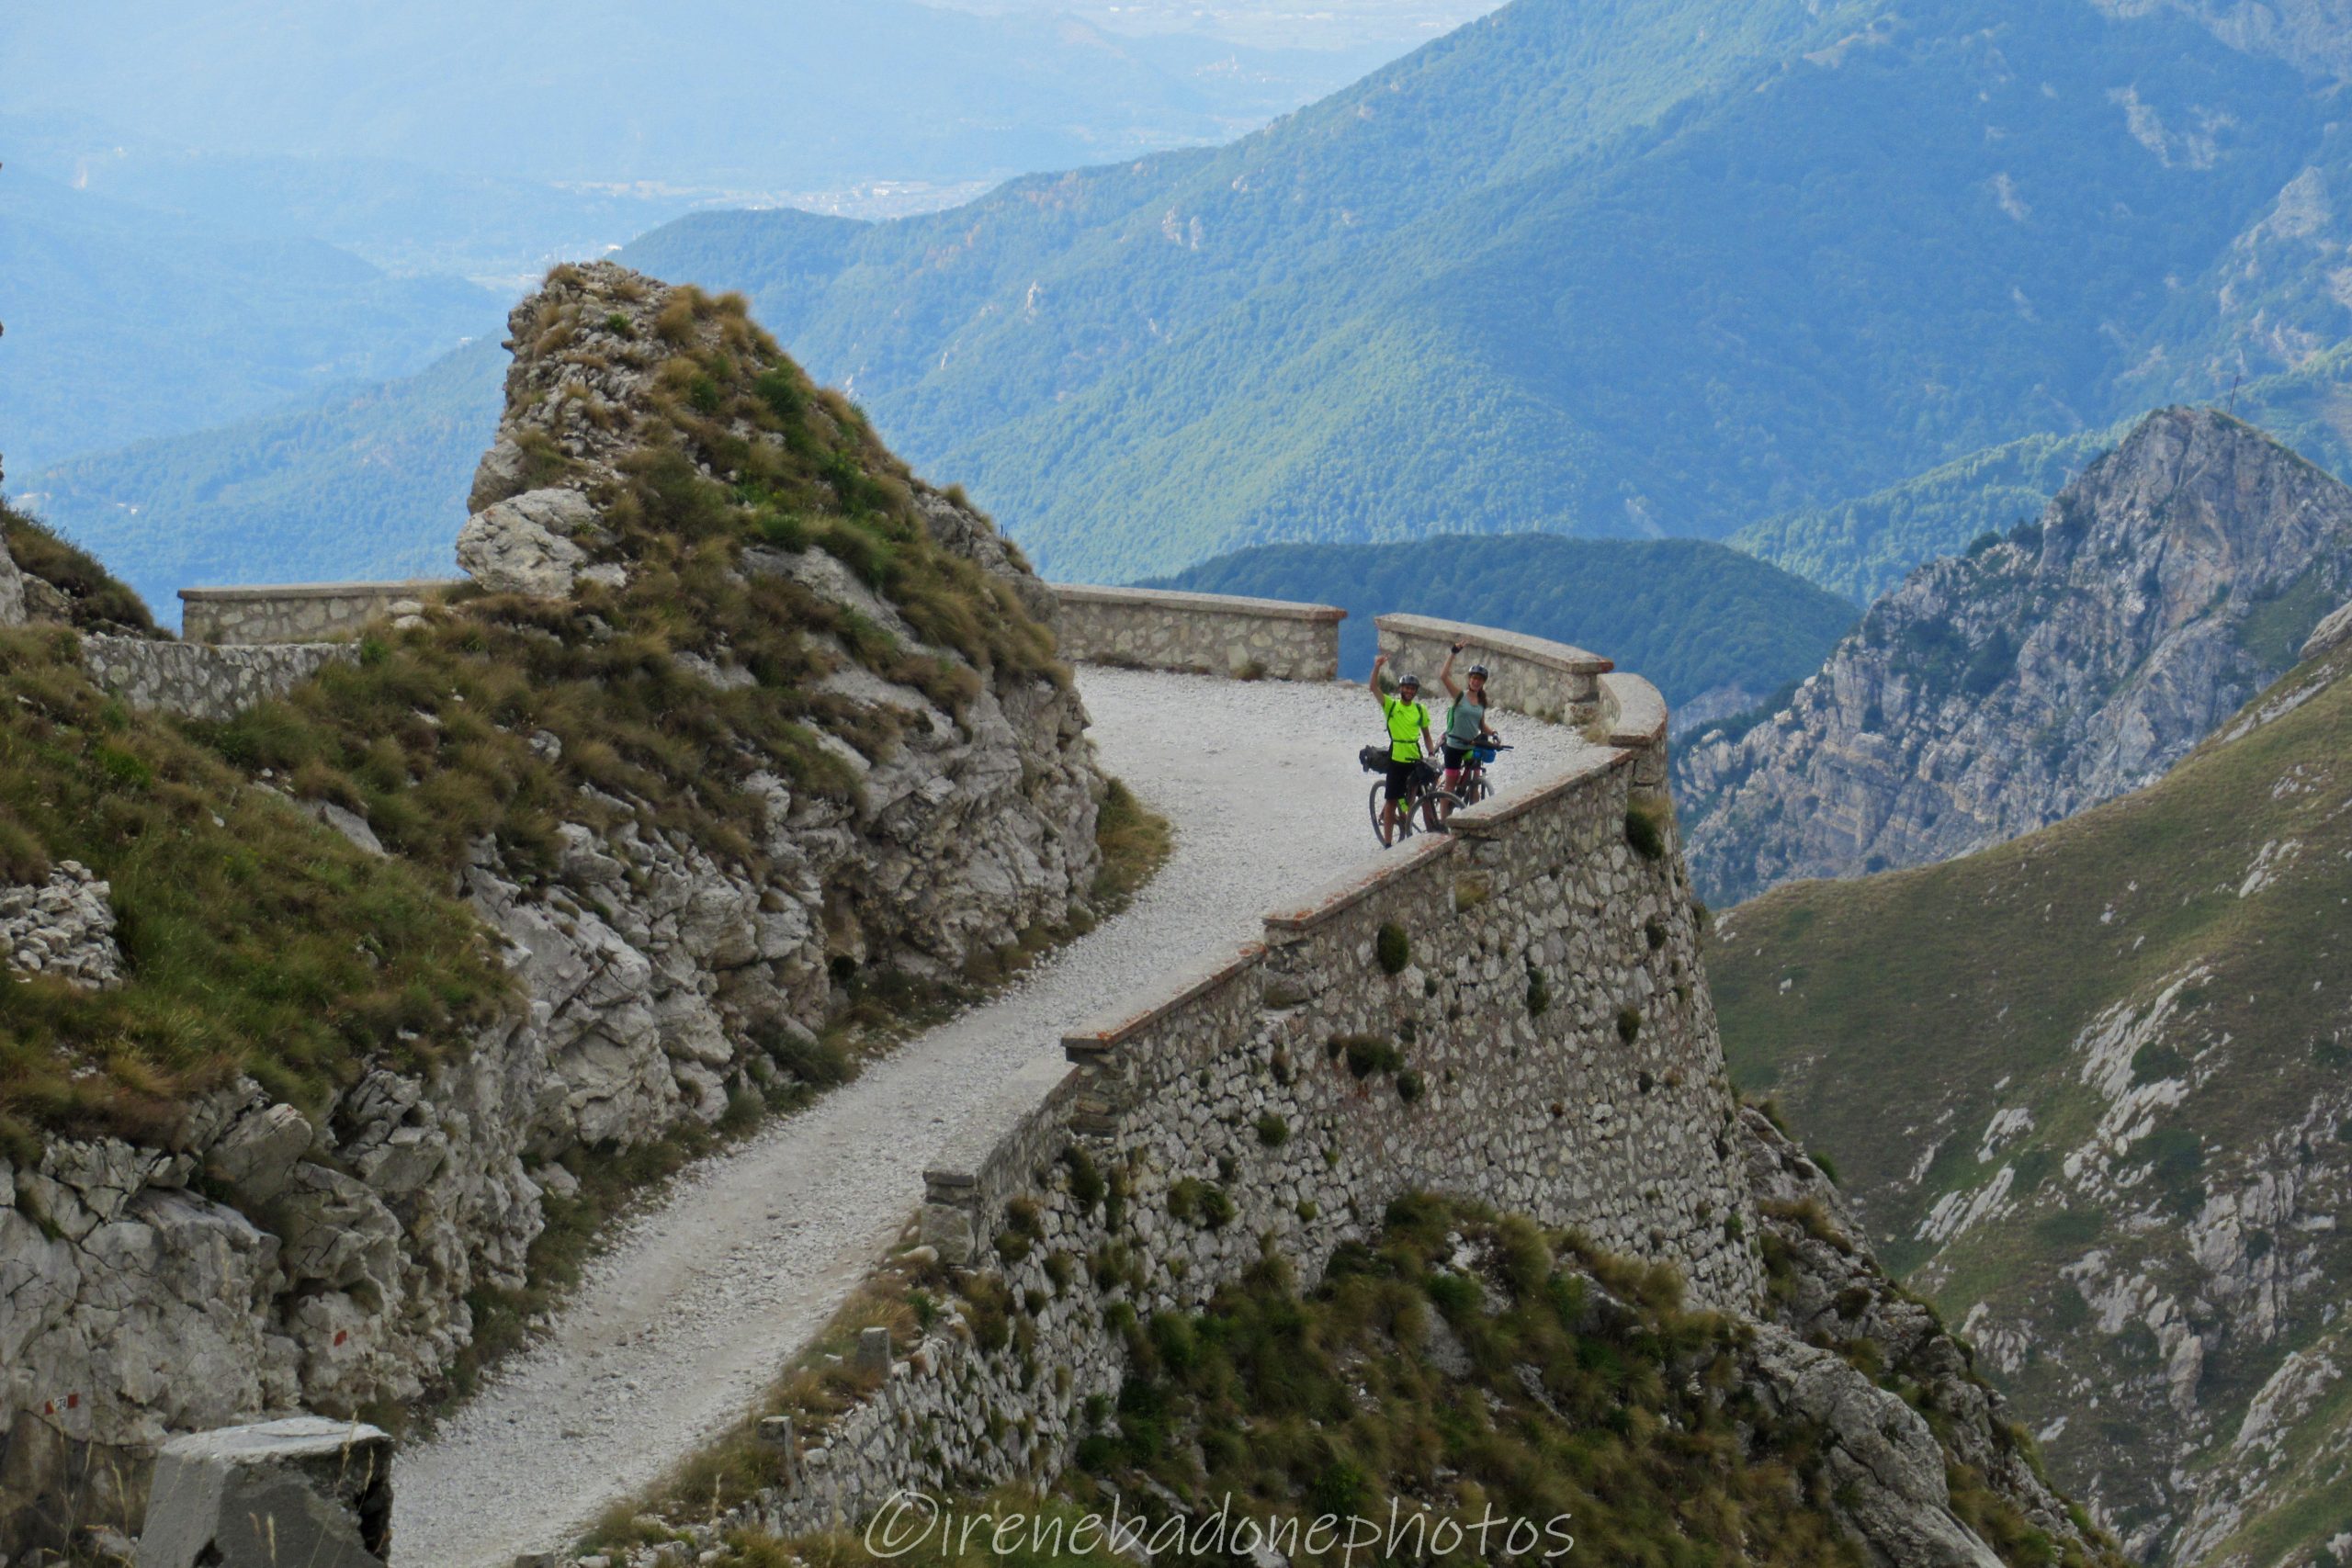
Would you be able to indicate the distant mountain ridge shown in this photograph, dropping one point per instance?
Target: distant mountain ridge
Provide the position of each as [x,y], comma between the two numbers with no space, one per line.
[2074,659]
[1598,269]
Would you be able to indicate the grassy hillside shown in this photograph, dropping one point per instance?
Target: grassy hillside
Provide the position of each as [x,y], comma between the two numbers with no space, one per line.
[1608,269]
[1696,618]
[366,481]
[254,939]
[2089,1089]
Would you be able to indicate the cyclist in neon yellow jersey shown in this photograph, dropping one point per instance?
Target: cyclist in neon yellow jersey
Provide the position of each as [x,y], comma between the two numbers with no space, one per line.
[1408,743]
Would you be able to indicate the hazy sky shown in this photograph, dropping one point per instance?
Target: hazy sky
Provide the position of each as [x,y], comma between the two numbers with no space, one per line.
[1316,24]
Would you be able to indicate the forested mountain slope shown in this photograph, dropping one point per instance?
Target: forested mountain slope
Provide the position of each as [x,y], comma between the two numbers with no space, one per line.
[2089,1089]
[1590,268]
[364,481]
[124,324]
[1715,630]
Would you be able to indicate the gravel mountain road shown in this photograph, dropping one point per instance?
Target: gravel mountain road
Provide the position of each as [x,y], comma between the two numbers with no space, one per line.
[699,1301]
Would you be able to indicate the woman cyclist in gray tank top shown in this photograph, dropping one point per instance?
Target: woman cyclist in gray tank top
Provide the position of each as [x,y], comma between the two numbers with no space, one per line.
[1465,719]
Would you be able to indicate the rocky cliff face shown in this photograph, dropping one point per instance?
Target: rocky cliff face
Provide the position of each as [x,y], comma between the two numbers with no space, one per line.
[1998,692]
[855,759]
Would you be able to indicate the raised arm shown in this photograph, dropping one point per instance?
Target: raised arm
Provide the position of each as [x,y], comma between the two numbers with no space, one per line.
[1379,661]
[1445,672]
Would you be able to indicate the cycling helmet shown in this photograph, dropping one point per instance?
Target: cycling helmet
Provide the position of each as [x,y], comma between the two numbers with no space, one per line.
[1479,671]
[1405,681]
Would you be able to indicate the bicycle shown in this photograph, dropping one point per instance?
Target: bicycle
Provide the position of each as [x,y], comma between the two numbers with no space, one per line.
[1473,786]
[1422,795]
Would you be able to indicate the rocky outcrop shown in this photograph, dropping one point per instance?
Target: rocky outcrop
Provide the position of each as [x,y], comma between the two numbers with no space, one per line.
[257,1256]
[524,543]
[12,589]
[2078,659]
[2331,634]
[63,927]
[1843,1347]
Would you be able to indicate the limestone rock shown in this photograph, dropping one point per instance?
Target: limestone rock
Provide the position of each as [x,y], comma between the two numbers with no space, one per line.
[1996,693]
[12,590]
[525,545]
[348,823]
[1884,1464]
[62,928]
[1830,1289]
[2331,634]
[299,1490]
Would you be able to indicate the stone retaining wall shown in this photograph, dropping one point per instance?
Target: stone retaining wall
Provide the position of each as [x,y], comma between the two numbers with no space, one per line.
[1514,1012]
[299,611]
[196,680]
[1199,634]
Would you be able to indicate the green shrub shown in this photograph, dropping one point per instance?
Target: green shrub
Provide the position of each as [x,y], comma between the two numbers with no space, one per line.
[1629,1023]
[1645,829]
[1272,1131]
[1086,1183]
[1393,949]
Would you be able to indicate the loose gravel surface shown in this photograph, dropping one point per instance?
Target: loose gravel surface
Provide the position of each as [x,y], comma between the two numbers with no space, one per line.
[699,1302]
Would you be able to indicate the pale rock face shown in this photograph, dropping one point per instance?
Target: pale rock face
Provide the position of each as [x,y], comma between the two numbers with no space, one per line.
[524,545]
[1881,1455]
[1995,694]
[62,928]
[12,590]
[2331,634]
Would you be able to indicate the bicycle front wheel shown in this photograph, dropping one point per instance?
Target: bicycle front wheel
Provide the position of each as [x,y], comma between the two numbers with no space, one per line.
[1474,790]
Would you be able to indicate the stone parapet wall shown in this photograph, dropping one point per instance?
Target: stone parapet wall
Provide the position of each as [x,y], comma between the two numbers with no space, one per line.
[199,681]
[299,611]
[1199,634]
[1633,716]
[1514,1012]
[1548,680]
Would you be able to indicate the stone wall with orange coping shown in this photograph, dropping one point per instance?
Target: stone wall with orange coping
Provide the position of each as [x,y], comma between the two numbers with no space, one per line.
[1513,1012]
